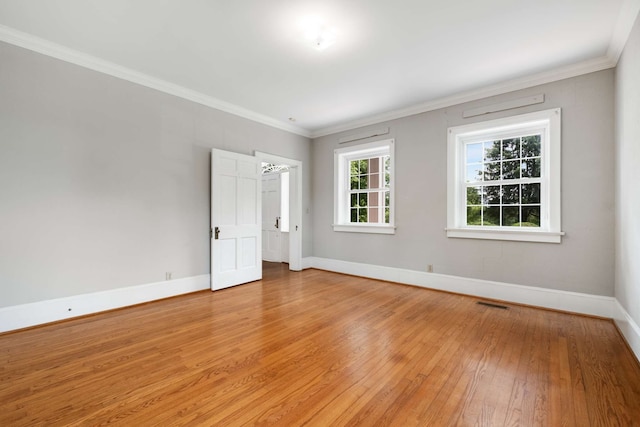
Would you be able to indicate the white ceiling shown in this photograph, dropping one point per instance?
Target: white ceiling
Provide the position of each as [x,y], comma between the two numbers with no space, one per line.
[391,58]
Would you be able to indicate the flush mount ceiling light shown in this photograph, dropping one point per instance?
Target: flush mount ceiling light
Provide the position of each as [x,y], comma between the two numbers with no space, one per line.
[318,33]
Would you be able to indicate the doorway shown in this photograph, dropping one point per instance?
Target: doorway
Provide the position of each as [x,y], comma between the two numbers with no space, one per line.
[275,213]
[236,216]
[282,210]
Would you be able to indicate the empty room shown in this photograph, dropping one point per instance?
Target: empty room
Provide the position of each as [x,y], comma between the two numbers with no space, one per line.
[413,213]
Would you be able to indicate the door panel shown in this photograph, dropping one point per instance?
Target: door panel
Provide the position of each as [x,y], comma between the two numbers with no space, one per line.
[249,252]
[249,194]
[236,253]
[227,255]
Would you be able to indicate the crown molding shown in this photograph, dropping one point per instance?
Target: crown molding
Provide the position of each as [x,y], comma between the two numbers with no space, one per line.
[629,11]
[565,72]
[45,47]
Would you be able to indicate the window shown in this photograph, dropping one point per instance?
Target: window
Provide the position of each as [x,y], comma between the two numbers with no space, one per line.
[504,179]
[363,177]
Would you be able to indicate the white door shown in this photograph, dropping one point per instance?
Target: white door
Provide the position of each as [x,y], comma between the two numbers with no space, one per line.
[235,219]
[271,218]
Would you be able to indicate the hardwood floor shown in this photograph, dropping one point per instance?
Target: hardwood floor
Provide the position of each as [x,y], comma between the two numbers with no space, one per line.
[316,348]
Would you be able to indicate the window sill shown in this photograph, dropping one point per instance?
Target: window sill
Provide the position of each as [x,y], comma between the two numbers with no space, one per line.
[513,235]
[375,229]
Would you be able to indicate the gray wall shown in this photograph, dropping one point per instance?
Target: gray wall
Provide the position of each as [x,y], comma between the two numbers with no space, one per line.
[628,176]
[583,262]
[104,183]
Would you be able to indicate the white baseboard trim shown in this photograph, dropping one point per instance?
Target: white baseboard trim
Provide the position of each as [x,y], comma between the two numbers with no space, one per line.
[37,313]
[628,327]
[307,262]
[594,305]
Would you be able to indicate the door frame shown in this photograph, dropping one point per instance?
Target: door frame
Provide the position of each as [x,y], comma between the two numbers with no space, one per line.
[295,205]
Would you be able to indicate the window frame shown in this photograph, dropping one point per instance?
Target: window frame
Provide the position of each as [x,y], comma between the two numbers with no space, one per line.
[342,157]
[549,121]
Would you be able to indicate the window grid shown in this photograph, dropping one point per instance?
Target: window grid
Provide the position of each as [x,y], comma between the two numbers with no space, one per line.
[503,181]
[368,194]
[363,188]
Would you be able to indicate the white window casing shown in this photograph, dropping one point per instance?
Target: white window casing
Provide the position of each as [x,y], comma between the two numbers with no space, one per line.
[547,124]
[342,187]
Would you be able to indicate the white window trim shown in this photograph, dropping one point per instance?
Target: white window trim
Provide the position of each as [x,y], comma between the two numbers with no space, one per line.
[341,183]
[550,216]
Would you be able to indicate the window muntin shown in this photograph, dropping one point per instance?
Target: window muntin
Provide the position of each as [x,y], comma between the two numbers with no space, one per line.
[369,196]
[503,181]
[364,188]
[504,178]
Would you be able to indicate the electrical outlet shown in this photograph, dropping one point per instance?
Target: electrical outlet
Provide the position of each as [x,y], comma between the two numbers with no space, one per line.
[167,275]
[430,268]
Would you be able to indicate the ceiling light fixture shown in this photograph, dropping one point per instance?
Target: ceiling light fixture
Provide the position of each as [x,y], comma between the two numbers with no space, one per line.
[317,33]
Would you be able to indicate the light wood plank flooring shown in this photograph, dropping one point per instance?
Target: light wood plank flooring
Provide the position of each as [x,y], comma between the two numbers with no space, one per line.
[320,349]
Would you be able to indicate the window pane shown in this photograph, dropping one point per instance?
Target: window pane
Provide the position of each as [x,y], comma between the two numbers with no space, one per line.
[362,197]
[374,180]
[354,215]
[530,193]
[374,199]
[531,146]
[364,166]
[531,168]
[531,216]
[354,200]
[355,182]
[510,194]
[492,195]
[386,215]
[511,169]
[491,216]
[474,172]
[362,215]
[373,215]
[364,181]
[511,216]
[387,199]
[474,215]
[511,148]
[492,151]
[474,153]
[354,168]
[374,165]
[492,171]
[387,179]
[474,196]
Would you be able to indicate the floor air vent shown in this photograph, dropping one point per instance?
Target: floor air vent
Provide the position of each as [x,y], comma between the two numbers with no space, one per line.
[489,304]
